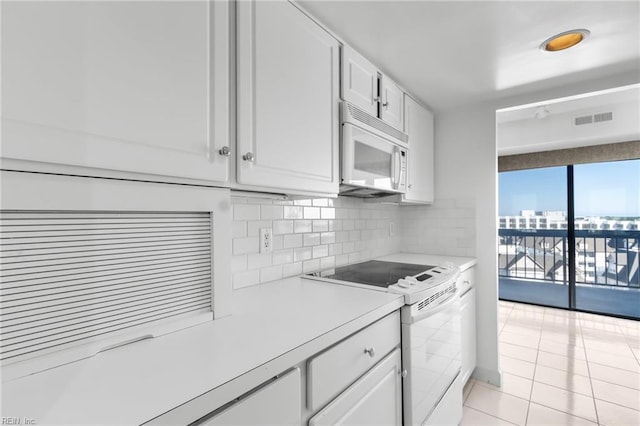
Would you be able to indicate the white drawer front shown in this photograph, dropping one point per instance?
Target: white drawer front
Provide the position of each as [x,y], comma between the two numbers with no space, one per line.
[466,280]
[330,372]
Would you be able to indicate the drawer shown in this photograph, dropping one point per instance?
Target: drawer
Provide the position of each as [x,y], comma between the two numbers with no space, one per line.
[467,280]
[333,370]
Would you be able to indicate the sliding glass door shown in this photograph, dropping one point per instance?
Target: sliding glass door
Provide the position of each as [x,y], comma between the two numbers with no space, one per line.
[607,212]
[569,237]
[532,250]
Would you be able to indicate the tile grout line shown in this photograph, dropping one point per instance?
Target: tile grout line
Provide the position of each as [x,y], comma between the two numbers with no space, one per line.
[586,356]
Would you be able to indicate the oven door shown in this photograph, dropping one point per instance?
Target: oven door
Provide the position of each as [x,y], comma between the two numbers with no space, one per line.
[371,161]
[431,354]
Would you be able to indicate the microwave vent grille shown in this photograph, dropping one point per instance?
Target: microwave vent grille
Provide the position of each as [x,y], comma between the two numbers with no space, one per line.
[364,117]
[75,277]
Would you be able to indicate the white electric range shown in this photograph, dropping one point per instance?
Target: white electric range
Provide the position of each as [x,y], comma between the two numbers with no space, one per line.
[431,337]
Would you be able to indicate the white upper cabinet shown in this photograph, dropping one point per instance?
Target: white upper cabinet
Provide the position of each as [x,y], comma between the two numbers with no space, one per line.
[419,127]
[118,86]
[359,81]
[392,103]
[287,112]
[373,92]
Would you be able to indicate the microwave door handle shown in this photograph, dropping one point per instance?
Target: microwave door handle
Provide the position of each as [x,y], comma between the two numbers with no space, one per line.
[396,168]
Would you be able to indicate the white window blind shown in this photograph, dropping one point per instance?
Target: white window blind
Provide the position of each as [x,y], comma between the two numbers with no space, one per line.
[72,277]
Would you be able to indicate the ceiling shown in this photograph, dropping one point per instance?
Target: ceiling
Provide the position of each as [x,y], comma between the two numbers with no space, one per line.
[452,53]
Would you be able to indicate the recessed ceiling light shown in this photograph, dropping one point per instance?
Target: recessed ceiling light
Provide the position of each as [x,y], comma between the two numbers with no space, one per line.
[564,40]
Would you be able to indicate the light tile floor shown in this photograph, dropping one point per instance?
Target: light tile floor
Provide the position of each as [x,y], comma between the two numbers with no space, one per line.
[560,368]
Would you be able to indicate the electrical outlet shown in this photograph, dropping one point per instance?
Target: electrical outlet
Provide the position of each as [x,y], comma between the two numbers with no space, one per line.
[266,240]
[392,229]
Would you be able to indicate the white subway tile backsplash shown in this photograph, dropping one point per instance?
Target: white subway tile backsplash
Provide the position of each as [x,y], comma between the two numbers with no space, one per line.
[320,251]
[269,212]
[312,212]
[304,253]
[292,240]
[301,226]
[238,228]
[320,225]
[271,273]
[257,261]
[282,227]
[328,213]
[309,235]
[293,212]
[327,238]
[246,212]
[311,239]
[327,262]
[245,245]
[282,256]
[311,265]
[246,278]
[253,227]
[291,269]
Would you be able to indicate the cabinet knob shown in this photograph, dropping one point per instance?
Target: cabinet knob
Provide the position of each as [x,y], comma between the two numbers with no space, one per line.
[386,104]
[403,373]
[248,156]
[376,99]
[410,186]
[224,151]
[371,351]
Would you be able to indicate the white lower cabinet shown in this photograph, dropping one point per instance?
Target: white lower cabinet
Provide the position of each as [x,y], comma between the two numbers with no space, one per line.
[468,327]
[277,403]
[374,399]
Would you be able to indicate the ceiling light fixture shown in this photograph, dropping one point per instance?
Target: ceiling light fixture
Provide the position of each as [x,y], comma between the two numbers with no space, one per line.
[564,40]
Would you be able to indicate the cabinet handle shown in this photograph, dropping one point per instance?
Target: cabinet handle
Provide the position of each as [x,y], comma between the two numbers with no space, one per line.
[410,186]
[371,351]
[403,373]
[224,151]
[248,157]
[376,99]
[386,104]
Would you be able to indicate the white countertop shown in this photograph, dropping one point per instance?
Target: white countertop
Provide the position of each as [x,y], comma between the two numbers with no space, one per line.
[133,384]
[273,327]
[430,259]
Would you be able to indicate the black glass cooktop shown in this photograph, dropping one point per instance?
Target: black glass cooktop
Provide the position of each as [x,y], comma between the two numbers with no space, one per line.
[376,272]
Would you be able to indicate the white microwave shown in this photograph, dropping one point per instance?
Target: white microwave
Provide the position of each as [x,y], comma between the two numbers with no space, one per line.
[373,156]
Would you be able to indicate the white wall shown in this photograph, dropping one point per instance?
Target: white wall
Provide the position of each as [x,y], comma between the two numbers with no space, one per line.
[466,175]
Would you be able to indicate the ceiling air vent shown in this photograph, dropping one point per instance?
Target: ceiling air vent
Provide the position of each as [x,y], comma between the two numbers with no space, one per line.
[596,118]
[579,121]
[605,116]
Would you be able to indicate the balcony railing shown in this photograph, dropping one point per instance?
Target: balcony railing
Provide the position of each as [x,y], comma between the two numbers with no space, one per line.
[603,257]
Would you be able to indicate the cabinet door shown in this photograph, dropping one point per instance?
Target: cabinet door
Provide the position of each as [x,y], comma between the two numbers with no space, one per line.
[375,399]
[287,99]
[125,86]
[278,403]
[419,127]
[392,107]
[468,328]
[359,81]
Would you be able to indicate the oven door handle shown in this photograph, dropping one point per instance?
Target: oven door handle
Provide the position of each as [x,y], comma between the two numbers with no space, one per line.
[396,168]
[445,304]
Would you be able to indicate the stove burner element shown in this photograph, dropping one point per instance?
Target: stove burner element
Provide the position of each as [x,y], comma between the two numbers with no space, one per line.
[378,273]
